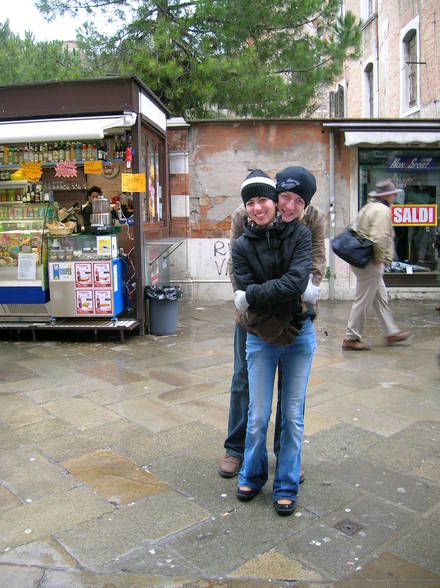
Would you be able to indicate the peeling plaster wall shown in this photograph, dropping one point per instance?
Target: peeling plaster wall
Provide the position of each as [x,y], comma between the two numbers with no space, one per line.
[220,155]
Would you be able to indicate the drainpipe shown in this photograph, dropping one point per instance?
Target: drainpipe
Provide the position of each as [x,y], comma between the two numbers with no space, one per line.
[331,257]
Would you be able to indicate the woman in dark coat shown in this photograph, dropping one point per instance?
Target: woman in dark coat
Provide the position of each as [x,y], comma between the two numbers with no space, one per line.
[271,265]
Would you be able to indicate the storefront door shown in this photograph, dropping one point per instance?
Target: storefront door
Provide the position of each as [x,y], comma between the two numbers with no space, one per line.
[415,213]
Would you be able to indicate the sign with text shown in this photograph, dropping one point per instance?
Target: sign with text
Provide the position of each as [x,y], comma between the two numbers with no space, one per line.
[93,167]
[414,215]
[411,163]
[133,182]
[66,169]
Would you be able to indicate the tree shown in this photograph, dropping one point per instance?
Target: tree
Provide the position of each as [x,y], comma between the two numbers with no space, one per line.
[200,57]
[28,61]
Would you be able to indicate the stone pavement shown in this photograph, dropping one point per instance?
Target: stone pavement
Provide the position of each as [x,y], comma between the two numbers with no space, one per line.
[109,456]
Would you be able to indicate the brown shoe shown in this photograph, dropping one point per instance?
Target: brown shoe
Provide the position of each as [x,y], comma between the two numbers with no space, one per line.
[400,336]
[229,466]
[355,344]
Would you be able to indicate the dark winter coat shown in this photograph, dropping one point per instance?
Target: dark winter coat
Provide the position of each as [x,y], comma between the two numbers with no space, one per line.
[272,265]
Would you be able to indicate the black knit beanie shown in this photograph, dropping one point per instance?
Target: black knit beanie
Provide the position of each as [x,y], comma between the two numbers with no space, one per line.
[296,179]
[258,184]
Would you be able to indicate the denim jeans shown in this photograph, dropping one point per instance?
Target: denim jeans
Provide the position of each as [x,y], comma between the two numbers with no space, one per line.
[239,401]
[262,360]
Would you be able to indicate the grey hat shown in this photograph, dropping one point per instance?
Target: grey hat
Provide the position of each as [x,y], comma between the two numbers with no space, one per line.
[385,188]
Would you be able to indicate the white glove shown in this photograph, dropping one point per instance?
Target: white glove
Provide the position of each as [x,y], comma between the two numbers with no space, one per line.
[240,301]
[312,292]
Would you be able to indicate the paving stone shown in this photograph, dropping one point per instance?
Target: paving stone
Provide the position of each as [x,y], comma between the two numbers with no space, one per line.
[315,422]
[114,477]
[182,439]
[151,560]
[113,434]
[18,577]
[24,385]
[54,391]
[111,373]
[51,514]
[149,413]
[274,566]
[322,493]
[336,443]
[7,499]
[389,570]
[80,412]
[18,410]
[98,541]
[185,393]
[218,373]
[336,554]
[407,491]
[429,469]
[225,543]
[12,372]
[31,476]
[323,392]
[111,394]
[206,411]
[383,422]
[42,554]
[41,431]
[174,376]
[419,440]
[421,545]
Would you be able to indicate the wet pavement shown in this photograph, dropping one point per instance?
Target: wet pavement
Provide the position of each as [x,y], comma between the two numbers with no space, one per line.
[109,456]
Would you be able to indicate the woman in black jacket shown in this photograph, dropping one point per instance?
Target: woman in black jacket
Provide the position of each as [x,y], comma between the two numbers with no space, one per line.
[271,265]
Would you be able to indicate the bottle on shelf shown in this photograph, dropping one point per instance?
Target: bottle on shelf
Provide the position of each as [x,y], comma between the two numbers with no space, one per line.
[61,151]
[6,154]
[72,151]
[11,155]
[84,152]
[40,153]
[16,155]
[67,151]
[50,153]
[55,153]
[45,153]
[78,151]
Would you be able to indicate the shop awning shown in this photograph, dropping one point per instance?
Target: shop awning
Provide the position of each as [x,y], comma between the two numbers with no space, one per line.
[55,129]
[379,137]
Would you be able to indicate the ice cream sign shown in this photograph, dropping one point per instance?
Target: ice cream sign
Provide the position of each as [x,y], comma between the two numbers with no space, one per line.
[414,215]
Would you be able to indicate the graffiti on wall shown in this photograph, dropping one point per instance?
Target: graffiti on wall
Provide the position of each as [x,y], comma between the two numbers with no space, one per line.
[221,254]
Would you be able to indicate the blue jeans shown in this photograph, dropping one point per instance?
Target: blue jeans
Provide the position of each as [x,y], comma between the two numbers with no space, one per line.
[239,401]
[262,360]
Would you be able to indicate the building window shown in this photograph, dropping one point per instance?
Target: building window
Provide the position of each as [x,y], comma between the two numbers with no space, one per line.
[369,90]
[410,68]
[337,102]
[367,9]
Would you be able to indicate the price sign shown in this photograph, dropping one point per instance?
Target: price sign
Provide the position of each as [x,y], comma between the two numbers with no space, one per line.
[93,167]
[133,182]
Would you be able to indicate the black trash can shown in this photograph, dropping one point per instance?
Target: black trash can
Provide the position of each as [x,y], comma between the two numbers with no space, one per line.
[163,308]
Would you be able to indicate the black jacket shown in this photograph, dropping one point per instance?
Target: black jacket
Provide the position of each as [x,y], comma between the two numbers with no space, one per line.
[272,265]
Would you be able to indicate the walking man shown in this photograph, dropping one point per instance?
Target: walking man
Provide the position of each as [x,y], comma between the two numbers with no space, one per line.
[374,223]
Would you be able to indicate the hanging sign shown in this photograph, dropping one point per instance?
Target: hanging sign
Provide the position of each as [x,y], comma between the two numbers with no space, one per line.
[411,163]
[93,167]
[66,169]
[133,182]
[28,171]
[414,215]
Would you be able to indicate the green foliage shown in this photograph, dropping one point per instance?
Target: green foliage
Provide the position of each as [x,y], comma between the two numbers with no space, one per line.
[206,57]
[28,61]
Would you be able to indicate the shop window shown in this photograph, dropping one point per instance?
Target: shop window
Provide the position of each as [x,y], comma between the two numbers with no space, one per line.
[418,174]
[368,91]
[410,68]
[337,102]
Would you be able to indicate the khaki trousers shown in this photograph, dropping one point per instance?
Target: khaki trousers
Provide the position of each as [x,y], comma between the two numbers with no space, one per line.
[370,291]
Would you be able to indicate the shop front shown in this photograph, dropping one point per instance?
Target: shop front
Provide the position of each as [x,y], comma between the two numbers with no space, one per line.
[57,141]
[408,153]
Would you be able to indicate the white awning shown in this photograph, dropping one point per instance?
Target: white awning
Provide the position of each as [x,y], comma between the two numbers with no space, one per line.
[379,137]
[55,129]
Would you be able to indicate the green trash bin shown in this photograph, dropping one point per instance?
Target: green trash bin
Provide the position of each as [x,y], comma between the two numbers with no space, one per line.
[163,308]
